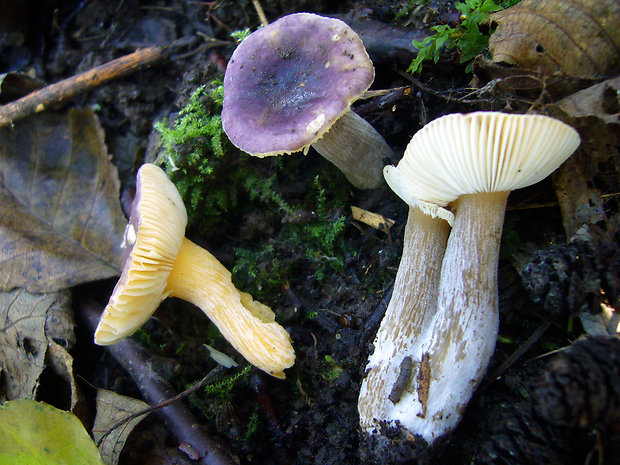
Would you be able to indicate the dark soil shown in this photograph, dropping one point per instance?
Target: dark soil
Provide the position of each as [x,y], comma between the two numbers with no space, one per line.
[311,418]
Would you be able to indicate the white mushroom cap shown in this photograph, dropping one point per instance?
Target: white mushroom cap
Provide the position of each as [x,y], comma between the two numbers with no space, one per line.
[461,154]
[153,238]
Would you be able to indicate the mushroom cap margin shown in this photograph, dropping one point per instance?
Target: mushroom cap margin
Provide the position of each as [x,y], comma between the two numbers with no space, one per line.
[477,152]
[153,238]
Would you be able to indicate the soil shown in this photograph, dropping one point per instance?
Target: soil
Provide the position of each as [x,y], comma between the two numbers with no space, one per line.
[311,418]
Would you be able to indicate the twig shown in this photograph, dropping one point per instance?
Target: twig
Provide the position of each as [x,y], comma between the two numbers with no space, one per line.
[517,354]
[260,12]
[212,374]
[179,421]
[41,99]
[373,321]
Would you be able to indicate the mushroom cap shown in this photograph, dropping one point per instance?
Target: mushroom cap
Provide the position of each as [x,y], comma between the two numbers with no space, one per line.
[288,82]
[477,152]
[152,239]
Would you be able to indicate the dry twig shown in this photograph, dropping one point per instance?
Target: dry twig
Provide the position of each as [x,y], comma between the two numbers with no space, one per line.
[41,99]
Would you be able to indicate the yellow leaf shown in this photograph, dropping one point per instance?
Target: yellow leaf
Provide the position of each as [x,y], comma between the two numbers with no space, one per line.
[35,433]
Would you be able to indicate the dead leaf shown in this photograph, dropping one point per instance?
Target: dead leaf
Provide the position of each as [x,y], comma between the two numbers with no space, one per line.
[601,100]
[14,85]
[577,38]
[595,113]
[112,408]
[60,219]
[23,342]
[61,362]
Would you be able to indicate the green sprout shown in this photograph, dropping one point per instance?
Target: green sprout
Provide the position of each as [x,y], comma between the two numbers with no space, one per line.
[466,36]
[240,35]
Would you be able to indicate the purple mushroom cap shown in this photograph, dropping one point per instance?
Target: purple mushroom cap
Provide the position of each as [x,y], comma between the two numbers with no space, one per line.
[287,83]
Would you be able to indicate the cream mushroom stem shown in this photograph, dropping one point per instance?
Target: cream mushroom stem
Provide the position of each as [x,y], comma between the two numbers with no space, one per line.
[357,149]
[199,278]
[404,326]
[461,337]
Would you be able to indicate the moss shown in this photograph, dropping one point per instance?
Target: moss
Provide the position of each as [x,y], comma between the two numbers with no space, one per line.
[311,243]
[221,389]
[193,155]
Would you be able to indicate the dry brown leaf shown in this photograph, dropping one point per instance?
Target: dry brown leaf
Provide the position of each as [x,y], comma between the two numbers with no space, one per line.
[61,362]
[600,100]
[577,38]
[595,113]
[60,219]
[14,85]
[112,408]
[23,339]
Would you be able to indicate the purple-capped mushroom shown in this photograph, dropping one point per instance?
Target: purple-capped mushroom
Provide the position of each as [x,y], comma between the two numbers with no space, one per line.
[290,85]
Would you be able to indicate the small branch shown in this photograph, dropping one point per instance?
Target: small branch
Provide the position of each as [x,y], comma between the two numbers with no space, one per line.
[212,374]
[517,354]
[179,421]
[260,12]
[41,99]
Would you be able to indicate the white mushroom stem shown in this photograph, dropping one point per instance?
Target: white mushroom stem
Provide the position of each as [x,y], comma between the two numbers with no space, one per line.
[460,339]
[357,149]
[248,325]
[413,304]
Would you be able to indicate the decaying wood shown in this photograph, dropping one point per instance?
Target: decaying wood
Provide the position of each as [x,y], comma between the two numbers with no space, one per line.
[41,99]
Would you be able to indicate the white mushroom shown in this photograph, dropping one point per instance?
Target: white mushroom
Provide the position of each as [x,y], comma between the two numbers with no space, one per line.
[469,162]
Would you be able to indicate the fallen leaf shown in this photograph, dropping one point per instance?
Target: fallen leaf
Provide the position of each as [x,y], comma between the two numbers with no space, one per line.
[60,219]
[29,324]
[577,38]
[112,408]
[23,343]
[14,85]
[595,113]
[35,433]
[601,100]
[61,362]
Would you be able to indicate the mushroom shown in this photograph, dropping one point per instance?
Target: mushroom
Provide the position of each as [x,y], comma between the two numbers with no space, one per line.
[161,262]
[469,162]
[290,85]
[413,302]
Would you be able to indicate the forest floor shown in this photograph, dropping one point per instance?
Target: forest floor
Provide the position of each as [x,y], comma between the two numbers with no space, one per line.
[291,240]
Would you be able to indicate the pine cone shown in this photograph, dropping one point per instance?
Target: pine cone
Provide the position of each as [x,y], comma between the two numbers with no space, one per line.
[582,385]
[575,277]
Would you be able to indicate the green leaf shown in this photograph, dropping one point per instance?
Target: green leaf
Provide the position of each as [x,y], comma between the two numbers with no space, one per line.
[35,433]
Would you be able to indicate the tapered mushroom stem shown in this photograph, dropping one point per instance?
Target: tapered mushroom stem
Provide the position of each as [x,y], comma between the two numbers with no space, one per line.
[361,162]
[413,305]
[462,335]
[248,325]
